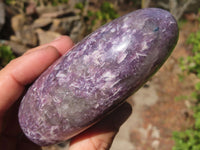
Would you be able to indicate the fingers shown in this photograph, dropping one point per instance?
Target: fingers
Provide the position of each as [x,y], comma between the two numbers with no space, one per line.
[62,44]
[22,71]
[26,69]
[101,135]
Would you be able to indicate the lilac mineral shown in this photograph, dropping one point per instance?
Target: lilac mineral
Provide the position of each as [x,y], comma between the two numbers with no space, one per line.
[97,75]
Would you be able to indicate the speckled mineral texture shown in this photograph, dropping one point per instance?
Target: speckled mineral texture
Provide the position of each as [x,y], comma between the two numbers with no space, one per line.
[97,75]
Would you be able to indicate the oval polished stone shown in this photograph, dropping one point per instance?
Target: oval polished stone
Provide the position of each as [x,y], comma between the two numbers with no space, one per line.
[97,75]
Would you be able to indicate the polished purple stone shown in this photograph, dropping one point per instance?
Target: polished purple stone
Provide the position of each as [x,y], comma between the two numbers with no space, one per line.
[97,75]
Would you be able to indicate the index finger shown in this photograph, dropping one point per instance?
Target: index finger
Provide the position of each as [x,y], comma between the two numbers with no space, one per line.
[25,69]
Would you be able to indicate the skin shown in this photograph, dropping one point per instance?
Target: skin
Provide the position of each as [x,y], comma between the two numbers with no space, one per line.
[19,74]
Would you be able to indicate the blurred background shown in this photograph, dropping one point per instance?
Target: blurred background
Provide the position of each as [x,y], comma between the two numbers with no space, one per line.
[166,110]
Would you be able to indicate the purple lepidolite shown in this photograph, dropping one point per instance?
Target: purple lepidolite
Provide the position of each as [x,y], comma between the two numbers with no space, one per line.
[97,75]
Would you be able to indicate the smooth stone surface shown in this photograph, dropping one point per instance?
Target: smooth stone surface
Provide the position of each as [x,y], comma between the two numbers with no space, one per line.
[97,75]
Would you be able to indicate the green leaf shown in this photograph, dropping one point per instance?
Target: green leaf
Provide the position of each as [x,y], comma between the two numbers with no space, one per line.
[79,6]
[197,86]
[6,55]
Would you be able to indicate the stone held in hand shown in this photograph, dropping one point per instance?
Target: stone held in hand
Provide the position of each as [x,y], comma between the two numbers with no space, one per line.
[97,75]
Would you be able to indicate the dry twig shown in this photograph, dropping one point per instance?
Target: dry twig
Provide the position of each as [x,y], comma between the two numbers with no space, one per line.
[177,9]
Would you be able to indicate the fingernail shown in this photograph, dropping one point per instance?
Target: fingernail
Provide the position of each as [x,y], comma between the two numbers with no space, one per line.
[33,51]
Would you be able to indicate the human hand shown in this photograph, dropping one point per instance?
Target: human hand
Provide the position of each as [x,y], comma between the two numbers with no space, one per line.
[20,73]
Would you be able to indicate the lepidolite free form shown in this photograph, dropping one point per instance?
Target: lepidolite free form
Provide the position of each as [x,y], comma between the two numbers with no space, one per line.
[97,75]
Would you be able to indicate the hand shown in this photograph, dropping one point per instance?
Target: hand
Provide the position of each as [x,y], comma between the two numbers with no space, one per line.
[20,73]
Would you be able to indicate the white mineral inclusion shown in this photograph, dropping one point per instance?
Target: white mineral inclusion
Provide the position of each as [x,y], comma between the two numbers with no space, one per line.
[144,46]
[113,30]
[122,47]
[108,76]
[121,57]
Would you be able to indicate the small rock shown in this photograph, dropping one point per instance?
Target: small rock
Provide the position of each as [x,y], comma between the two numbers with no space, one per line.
[76,31]
[57,14]
[2,15]
[31,8]
[17,48]
[41,9]
[57,11]
[46,36]
[42,22]
[28,36]
[15,39]
[64,25]
[57,27]
[188,104]
[74,2]
[23,33]
[17,22]
[155,144]
[71,26]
